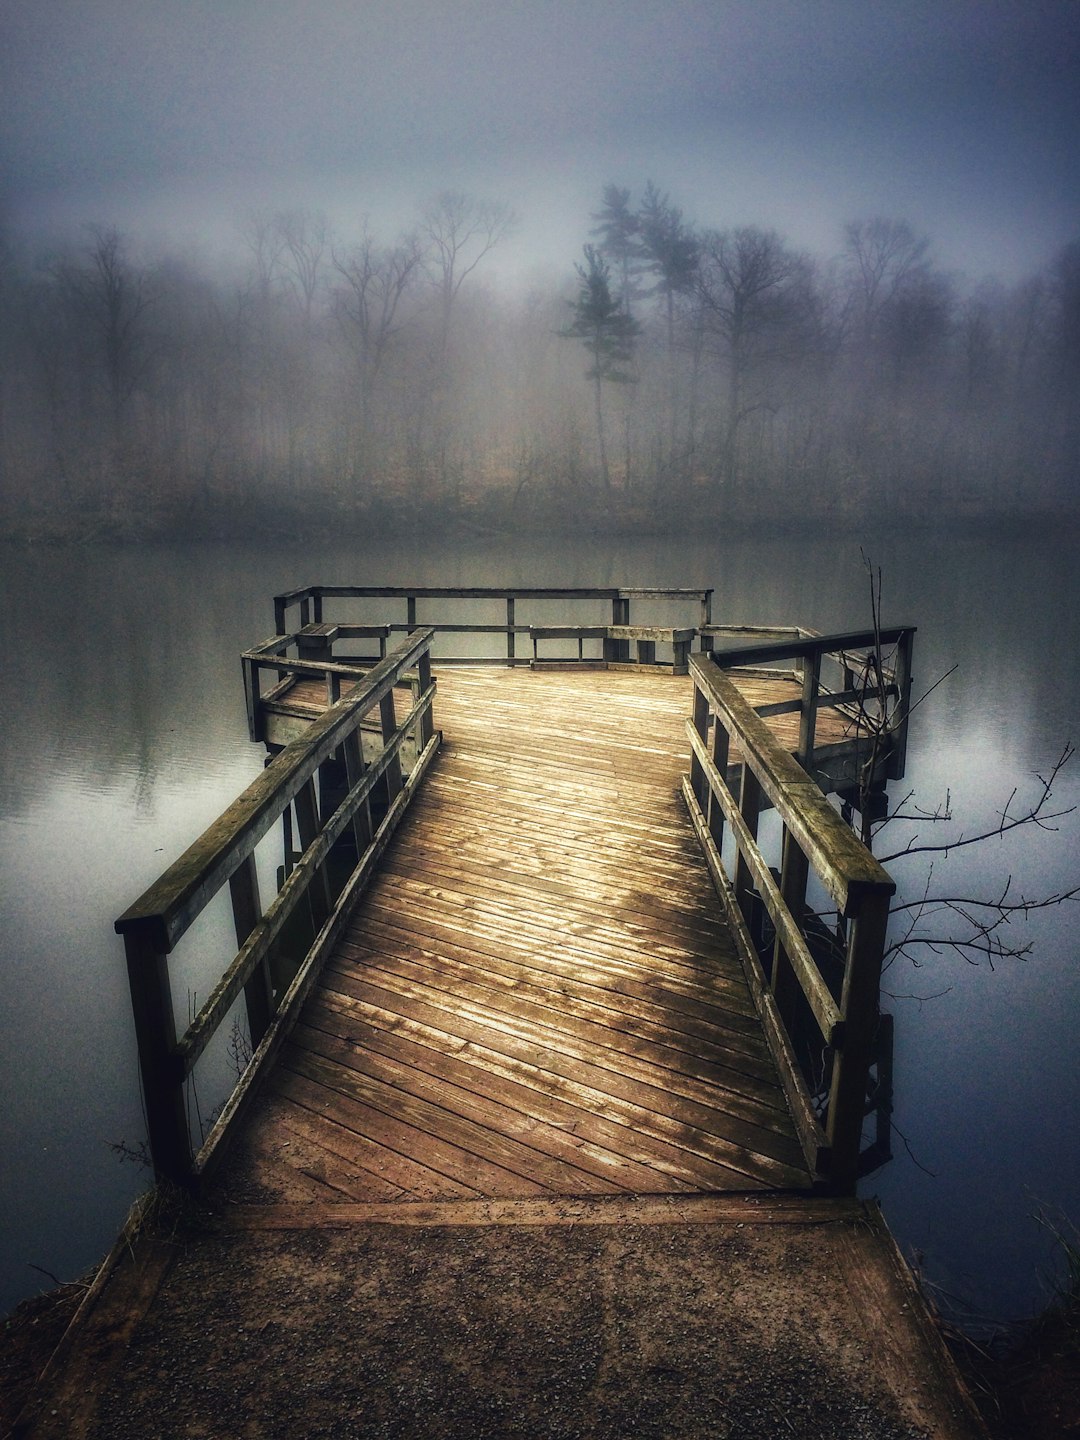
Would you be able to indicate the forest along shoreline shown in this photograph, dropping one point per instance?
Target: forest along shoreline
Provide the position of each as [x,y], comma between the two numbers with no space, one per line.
[667,369]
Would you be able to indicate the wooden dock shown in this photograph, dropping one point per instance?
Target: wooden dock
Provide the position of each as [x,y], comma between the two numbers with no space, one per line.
[539,993]
[530,972]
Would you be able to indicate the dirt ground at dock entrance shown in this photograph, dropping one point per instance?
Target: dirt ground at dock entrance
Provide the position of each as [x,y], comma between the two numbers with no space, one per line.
[594,1320]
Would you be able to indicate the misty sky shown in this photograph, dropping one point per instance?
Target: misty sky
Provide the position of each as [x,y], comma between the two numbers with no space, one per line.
[169,117]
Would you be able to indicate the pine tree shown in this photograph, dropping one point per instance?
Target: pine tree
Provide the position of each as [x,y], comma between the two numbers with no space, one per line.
[607,330]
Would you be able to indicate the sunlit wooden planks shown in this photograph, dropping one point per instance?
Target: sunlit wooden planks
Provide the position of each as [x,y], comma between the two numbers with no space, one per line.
[538,994]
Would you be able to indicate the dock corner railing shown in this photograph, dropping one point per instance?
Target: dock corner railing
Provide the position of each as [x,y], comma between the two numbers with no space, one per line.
[343,804]
[782,942]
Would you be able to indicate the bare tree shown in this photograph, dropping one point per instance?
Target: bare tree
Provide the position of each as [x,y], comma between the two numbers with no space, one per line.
[882,257]
[460,230]
[367,303]
[938,918]
[754,292]
[303,241]
[114,297]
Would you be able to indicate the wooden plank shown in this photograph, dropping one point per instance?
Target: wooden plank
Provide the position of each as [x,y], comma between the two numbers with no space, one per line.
[716,1038]
[590,1051]
[432,1111]
[740,1209]
[539,977]
[558,1127]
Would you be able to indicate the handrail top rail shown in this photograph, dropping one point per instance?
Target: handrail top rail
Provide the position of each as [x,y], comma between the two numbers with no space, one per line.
[484,592]
[846,867]
[670,633]
[167,908]
[808,645]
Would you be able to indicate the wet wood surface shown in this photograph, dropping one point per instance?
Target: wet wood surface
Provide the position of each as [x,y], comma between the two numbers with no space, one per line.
[538,994]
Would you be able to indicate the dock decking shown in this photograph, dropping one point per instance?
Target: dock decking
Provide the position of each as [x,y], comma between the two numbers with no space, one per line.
[539,992]
[525,1144]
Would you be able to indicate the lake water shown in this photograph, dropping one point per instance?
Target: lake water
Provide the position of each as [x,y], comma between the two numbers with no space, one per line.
[124,735]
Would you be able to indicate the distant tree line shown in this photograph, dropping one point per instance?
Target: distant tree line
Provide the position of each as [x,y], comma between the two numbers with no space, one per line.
[686,375]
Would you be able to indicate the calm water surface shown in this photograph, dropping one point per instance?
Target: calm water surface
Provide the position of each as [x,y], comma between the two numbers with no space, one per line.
[124,736]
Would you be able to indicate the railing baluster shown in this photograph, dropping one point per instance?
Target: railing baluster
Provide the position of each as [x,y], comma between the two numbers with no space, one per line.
[307,823]
[794,874]
[389,724]
[354,770]
[749,809]
[714,812]
[247,911]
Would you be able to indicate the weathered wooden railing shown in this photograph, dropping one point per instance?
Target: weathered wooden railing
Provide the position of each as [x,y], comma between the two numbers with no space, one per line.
[340,843]
[310,603]
[870,685]
[313,659]
[645,639]
[814,838]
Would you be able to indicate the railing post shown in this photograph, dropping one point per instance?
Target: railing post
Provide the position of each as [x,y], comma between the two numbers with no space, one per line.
[811,677]
[698,782]
[162,1080]
[279,615]
[851,1064]
[252,694]
[410,612]
[510,637]
[706,619]
[247,912]
[426,727]
[618,651]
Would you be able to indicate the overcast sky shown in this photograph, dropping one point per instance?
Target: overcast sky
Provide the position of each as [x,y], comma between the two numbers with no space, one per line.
[168,117]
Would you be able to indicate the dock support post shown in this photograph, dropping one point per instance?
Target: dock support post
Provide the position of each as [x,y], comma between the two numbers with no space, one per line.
[162,1078]
[851,1064]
